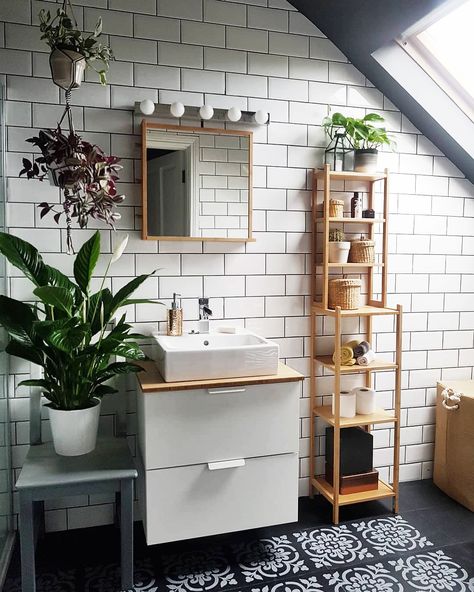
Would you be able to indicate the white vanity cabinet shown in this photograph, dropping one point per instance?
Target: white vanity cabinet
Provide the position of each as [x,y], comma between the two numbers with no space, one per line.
[217,456]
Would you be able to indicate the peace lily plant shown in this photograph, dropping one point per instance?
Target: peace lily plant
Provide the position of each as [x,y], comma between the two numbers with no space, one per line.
[68,332]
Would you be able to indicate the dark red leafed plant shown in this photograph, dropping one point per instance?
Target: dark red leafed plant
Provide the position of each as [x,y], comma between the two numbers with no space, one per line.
[85,174]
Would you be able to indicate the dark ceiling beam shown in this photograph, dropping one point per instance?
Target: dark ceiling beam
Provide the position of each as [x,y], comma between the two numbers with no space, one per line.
[358,28]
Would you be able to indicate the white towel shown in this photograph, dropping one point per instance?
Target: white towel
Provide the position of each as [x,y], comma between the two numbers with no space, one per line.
[366,359]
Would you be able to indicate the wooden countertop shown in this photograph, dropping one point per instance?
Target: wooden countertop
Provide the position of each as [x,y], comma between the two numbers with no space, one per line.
[150,380]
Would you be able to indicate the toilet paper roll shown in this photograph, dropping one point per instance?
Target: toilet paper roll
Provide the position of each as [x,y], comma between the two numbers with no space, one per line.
[365,400]
[366,359]
[347,406]
[361,349]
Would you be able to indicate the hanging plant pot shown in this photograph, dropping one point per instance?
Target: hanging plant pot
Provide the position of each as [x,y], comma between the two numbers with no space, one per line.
[365,160]
[67,68]
[74,432]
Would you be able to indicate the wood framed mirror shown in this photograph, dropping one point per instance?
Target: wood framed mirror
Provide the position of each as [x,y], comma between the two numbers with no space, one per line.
[196,183]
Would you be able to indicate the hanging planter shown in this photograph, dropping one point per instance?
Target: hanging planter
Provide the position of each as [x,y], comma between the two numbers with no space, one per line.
[72,51]
[67,68]
[85,174]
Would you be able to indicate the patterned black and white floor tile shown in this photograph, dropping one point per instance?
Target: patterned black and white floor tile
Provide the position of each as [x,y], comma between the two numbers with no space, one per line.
[379,555]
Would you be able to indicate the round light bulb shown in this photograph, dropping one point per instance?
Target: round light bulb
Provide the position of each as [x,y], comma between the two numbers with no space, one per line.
[261,117]
[147,107]
[234,114]
[177,109]
[206,112]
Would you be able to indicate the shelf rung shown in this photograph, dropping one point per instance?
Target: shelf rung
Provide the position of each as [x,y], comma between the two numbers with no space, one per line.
[379,416]
[384,490]
[362,311]
[376,365]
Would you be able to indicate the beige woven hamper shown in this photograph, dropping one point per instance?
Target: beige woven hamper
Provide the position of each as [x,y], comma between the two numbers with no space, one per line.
[362,251]
[454,443]
[344,293]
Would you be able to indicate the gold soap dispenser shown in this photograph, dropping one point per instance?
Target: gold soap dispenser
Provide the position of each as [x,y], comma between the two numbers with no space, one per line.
[175,317]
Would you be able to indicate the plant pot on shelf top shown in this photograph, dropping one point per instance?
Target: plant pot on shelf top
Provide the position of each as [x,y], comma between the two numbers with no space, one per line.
[365,136]
[366,160]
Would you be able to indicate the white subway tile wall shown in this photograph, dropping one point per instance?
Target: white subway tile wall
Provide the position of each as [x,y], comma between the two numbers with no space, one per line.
[256,54]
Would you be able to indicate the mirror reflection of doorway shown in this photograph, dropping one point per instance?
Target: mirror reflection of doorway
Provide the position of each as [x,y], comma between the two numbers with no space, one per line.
[168,192]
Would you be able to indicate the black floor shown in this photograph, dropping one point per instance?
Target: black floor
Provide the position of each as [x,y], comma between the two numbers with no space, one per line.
[442,521]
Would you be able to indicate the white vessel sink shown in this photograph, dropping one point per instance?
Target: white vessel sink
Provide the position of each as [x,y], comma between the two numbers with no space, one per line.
[214,355]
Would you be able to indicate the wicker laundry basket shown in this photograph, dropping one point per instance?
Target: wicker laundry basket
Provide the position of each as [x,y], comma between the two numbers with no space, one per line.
[362,251]
[336,208]
[344,293]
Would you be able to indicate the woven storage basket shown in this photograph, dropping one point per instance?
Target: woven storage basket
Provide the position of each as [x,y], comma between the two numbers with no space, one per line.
[336,208]
[362,251]
[344,293]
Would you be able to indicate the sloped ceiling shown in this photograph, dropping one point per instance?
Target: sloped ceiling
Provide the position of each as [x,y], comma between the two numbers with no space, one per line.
[361,27]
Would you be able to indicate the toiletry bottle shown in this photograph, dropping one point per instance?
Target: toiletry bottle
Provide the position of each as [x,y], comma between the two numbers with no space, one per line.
[356,205]
[175,318]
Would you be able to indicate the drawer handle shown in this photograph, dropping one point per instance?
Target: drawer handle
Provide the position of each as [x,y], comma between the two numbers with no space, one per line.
[226,464]
[225,391]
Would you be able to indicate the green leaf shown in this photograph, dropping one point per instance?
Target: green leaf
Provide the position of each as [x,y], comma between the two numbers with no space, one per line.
[104,389]
[69,338]
[128,289]
[86,261]
[373,117]
[98,27]
[140,301]
[131,351]
[56,278]
[100,299]
[24,257]
[117,368]
[25,352]
[17,319]
[57,297]
[41,382]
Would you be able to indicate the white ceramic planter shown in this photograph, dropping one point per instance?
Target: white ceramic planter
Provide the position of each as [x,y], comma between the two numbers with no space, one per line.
[74,432]
[339,251]
[365,161]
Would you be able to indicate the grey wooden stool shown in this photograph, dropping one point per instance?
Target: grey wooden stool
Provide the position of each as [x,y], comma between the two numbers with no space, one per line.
[46,475]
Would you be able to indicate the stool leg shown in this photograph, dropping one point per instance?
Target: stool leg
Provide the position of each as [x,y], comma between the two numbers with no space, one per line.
[27,543]
[126,526]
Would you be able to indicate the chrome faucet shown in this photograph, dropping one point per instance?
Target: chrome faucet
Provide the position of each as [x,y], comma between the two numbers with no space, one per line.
[204,313]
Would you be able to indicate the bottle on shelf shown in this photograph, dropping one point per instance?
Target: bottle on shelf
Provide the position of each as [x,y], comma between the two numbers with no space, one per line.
[356,205]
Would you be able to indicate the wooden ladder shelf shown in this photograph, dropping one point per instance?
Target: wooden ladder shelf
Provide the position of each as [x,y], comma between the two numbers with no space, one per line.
[324,179]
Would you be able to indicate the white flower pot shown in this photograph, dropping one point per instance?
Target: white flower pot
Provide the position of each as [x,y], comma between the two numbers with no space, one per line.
[74,432]
[339,251]
[365,160]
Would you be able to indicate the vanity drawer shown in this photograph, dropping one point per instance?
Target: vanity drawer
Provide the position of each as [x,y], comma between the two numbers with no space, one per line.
[206,499]
[188,427]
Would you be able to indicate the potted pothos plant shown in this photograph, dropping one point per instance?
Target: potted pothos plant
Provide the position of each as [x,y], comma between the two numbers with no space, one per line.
[68,332]
[71,50]
[85,174]
[365,136]
[338,248]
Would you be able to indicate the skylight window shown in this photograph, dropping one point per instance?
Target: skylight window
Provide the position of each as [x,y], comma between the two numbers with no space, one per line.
[443,44]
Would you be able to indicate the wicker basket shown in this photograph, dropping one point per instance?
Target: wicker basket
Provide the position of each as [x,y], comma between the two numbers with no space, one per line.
[344,293]
[336,208]
[362,251]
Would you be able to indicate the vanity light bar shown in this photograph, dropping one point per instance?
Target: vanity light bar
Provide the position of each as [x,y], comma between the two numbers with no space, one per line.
[231,115]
